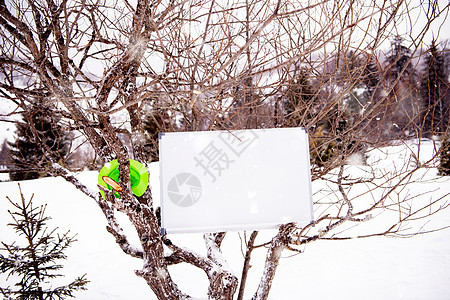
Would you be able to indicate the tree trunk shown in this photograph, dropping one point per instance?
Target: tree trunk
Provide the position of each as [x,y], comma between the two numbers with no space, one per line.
[277,245]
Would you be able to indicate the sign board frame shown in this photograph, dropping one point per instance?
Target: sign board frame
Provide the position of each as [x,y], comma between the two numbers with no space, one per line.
[215,181]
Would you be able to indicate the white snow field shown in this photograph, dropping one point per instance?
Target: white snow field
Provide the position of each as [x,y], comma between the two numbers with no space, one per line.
[372,268]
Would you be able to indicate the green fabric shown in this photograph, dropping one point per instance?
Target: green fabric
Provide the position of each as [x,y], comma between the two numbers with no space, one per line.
[138,177]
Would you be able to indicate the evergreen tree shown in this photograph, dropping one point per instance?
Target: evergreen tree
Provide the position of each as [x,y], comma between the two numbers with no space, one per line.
[248,109]
[444,166]
[402,106]
[433,87]
[371,75]
[299,104]
[363,78]
[35,261]
[399,59]
[4,154]
[353,80]
[154,123]
[40,140]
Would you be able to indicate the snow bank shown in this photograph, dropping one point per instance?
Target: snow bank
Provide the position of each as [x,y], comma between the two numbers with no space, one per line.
[375,268]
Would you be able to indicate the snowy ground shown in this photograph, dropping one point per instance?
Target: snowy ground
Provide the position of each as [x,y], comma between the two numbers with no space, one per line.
[375,268]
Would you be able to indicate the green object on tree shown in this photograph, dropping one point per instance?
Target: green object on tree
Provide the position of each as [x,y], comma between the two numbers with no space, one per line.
[138,177]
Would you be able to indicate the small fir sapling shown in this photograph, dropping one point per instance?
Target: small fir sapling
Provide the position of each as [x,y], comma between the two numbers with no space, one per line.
[33,264]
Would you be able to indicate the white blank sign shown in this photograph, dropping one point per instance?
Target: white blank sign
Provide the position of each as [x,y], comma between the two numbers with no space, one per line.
[234,180]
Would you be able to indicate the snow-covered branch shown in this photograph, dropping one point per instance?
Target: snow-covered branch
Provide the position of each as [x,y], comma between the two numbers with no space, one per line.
[58,170]
[223,283]
[115,229]
[277,245]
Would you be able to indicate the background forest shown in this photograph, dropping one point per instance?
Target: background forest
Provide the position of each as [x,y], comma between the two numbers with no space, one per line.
[357,100]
